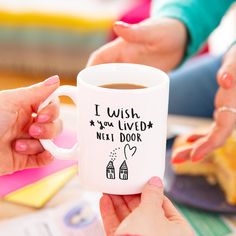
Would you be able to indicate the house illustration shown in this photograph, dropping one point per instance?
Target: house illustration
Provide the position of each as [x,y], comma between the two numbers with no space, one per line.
[123,174]
[110,170]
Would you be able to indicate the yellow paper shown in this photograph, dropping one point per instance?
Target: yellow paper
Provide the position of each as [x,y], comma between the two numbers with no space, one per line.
[37,194]
[55,21]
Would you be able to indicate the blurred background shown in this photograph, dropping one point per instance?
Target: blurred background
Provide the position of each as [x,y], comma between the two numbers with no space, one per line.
[43,38]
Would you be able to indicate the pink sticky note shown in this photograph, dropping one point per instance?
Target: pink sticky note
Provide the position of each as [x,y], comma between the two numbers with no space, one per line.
[10,183]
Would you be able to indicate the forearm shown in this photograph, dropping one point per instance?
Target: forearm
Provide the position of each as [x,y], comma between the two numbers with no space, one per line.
[200,17]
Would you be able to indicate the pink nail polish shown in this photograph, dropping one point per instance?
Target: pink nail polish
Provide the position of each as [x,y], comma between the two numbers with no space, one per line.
[122,24]
[20,147]
[178,160]
[52,80]
[156,181]
[226,80]
[190,140]
[43,118]
[35,131]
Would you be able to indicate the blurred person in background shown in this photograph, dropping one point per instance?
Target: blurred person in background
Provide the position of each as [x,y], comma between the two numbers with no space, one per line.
[203,87]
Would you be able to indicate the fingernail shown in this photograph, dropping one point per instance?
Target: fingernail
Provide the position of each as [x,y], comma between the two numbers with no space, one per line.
[226,80]
[35,131]
[20,147]
[123,24]
[52,80]
[191,139]
[43,118]
[156,181]
[178,160]
[197,158]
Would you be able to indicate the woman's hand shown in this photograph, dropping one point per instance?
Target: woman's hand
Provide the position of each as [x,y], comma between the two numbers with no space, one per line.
[156,42]
[149,214]
[20,131]
[225,119]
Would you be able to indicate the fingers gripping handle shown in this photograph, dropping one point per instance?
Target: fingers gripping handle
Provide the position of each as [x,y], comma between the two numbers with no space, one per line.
[60,153]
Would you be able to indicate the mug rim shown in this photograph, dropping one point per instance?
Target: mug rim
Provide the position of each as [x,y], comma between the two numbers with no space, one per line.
[163,76]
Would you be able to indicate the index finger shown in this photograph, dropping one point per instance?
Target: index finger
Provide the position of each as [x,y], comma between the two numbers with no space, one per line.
[122,210]
[222,129]
[107,53]
[49,113]
[109,216]
[132,201]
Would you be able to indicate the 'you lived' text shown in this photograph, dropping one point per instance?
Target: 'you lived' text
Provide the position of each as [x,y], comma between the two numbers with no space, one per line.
[127,122]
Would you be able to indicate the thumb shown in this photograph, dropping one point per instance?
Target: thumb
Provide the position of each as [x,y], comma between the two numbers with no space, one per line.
[37,93]
[153,193]
[135,33]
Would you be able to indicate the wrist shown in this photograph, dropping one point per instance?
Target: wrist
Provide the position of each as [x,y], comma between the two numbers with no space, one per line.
[182,32]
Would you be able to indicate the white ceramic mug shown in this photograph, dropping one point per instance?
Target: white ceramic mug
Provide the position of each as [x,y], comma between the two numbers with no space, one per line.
[121,133]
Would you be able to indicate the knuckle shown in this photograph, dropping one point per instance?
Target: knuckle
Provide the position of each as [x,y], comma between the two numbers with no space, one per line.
[5,170]
[216,141]
[211,142]
[39,161]
[153,192]
[43,159]
[151,46]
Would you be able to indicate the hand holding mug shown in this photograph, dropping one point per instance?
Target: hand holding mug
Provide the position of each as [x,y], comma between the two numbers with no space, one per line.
[150,213]
[19,131]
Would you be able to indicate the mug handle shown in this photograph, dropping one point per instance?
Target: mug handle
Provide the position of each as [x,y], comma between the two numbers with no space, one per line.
[57,152]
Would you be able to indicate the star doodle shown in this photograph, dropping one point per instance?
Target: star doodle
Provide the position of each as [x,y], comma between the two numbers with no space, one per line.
[92,123]
[150,125]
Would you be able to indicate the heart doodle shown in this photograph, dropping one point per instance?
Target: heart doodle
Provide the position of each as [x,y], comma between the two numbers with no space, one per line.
[129,151]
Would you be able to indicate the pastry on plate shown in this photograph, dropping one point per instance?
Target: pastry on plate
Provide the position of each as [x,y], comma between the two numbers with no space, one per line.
[217,167]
